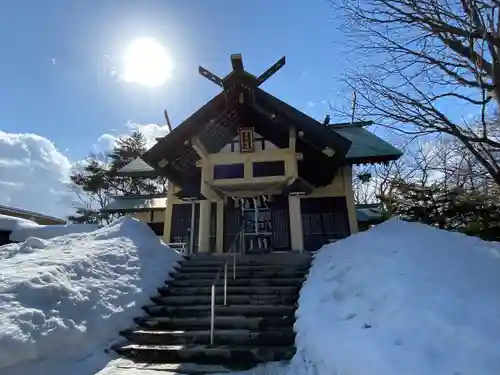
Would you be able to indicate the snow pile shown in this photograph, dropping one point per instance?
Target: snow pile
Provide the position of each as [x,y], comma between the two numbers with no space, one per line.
[401,298]
[49,231]
[10,223]
[22,228]
[66,298]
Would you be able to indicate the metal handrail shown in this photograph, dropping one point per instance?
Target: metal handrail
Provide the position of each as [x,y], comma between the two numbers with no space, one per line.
[216,280]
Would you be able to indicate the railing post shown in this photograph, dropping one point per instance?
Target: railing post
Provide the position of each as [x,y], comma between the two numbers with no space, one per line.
[225,283]
[234,266]
[191,229]
[212,316]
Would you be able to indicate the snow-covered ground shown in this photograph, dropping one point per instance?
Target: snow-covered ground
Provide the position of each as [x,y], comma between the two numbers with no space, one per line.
[401,299]
[63,300]
[268,368]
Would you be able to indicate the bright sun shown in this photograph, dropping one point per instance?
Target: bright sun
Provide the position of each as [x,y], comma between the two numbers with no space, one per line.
[146,62]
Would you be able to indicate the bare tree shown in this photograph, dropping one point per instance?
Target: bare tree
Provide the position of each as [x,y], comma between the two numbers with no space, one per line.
[428,59]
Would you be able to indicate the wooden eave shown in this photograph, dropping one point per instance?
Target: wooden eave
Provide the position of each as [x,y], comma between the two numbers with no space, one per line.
[216,124]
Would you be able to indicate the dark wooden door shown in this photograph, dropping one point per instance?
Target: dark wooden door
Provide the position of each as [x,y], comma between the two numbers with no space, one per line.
[323,219]
[280,223]
[180,226]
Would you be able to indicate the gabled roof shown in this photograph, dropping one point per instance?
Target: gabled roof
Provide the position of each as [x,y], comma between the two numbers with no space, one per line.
[242,103]
[137,167]
[217,123]
[366,147]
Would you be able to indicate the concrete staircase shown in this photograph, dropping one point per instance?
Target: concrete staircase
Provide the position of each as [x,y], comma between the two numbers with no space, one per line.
[255,326]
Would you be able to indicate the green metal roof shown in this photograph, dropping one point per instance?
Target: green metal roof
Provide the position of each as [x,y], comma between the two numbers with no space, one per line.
[369,213]
[366,147]
[135,204]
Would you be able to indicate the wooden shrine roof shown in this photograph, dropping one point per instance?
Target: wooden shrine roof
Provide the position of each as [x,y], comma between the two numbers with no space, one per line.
[217,123]
[241,104]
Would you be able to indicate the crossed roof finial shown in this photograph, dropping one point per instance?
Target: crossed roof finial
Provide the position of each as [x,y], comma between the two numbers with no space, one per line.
[237,64]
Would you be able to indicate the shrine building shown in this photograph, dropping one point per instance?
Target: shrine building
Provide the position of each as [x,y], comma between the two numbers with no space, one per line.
[249,173]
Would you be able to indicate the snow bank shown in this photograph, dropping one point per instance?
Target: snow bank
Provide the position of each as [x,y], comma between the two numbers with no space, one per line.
[49,231]
[22,228]
[401,299]
[66,298]
[9,223]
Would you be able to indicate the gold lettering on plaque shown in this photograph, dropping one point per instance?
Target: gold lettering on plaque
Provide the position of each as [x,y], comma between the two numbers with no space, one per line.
[246,140]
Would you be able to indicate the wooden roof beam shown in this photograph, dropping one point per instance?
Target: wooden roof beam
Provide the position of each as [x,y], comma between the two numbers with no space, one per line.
[199,148]
[292,138]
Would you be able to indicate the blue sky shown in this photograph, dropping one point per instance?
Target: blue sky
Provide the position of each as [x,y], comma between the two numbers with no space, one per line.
[58,57]
[61,97]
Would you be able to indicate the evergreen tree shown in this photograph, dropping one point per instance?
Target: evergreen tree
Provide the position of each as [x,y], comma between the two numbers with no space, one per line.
[472,212]
[96,180]
[126,150]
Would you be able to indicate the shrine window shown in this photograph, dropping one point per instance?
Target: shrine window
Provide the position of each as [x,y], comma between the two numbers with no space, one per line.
[269,168]
[229,171]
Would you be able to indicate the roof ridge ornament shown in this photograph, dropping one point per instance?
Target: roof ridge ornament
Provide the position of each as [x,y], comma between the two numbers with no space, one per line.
[238,68]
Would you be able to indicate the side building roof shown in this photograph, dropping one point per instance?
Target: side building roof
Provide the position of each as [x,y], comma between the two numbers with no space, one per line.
[135,204]
[366,147]
[27,214]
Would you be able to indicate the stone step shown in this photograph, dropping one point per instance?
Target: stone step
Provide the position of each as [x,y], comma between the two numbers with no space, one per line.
[204,274]
[170,368]
[281,257]
[234,357]
[204,310]
[276,281]
[231,290]
[257,299]
[244,262]
[221,337]
[239,265]
[221,322]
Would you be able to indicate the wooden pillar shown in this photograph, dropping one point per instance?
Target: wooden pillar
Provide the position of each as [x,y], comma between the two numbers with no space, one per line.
[349,198]
[219,239]
[167,223]
[205,207]
[204,232]
[296,236]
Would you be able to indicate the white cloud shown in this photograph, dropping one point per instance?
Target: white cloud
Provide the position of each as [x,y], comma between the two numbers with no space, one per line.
[34,174]
[151,132]
[312,104]
[107,141]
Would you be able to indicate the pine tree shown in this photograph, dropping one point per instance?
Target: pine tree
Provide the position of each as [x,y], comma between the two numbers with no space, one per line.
[126,150]
[96,181]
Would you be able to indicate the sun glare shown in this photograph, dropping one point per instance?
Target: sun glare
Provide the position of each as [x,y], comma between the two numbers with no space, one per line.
[146,62]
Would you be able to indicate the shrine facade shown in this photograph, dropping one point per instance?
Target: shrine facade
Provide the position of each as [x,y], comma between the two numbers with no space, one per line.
[249,173]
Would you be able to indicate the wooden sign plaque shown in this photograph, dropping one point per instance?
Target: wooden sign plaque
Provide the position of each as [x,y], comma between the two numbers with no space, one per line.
[247,140]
